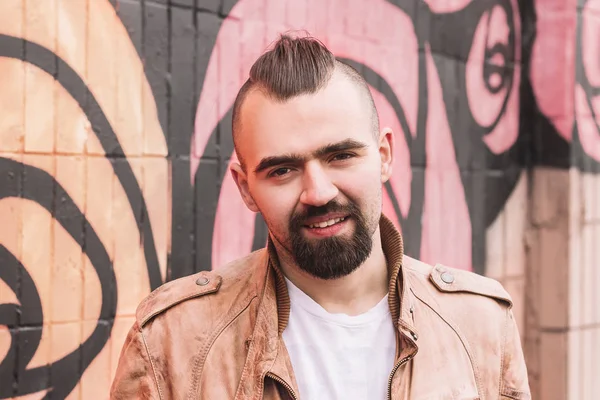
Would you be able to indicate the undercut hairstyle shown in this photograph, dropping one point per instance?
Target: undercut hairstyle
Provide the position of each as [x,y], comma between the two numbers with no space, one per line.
[293,67]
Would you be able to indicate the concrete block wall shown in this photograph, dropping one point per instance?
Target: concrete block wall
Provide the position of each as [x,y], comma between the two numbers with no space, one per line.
[115,141]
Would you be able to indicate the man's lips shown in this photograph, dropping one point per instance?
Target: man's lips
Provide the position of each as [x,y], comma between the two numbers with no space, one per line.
[323,221]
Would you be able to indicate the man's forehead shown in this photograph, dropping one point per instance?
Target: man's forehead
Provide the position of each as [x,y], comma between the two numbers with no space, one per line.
[303,123]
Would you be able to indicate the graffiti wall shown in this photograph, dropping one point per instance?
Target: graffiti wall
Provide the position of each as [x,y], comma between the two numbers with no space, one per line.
[115,141]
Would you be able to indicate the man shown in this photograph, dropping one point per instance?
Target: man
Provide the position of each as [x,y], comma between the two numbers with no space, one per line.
[331,309]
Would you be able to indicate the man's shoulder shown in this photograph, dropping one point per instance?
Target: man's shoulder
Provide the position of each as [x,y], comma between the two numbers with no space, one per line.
[475,307]
[226,283]
[443,283]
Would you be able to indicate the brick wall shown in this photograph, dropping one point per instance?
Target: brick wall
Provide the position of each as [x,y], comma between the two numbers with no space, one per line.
[115,142]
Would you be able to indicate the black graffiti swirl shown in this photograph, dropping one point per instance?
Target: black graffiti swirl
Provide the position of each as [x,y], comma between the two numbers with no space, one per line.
[61,376]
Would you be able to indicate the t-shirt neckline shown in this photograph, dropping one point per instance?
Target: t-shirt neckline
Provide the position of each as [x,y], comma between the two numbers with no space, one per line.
[300,299]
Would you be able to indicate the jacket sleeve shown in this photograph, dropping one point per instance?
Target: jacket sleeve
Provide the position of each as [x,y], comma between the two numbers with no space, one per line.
[514,380]
[134,377]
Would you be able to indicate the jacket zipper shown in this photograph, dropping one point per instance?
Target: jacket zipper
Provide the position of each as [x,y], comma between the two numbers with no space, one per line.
[389,396]
[398,365]
[288,387]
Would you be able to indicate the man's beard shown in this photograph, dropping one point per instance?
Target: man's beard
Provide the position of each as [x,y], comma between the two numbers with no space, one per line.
[331,257]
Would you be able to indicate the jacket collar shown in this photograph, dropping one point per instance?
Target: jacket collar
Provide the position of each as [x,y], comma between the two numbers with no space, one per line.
[399,290]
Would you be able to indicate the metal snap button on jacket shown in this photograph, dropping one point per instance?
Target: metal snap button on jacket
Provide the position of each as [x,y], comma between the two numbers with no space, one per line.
[202,281]
[447,277]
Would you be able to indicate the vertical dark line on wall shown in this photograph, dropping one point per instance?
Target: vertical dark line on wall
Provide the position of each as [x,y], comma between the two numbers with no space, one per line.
[20,273]
[526,97]
[191,178]
[83,228]
[54,212]
[143,33]
[394,200]
[195,101]
[169,79]
[14,344]
[529,119]
[412,241]
[577,154]
[195,19]
[260,232]
[170,156]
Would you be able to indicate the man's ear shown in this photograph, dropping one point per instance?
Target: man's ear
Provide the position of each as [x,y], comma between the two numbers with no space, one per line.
[241,180]
[386,151]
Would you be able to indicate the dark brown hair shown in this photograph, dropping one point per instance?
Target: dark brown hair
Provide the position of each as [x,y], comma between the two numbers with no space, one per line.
[293,67]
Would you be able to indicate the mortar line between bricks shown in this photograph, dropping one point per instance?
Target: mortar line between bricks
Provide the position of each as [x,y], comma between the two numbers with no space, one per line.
[578,328]
[61,323]
[195,7]
[90,155]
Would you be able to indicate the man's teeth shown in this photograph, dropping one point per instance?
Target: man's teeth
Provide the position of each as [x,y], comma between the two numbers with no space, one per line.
[325,224]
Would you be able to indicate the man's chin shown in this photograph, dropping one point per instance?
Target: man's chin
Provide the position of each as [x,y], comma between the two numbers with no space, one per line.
[329,243]
[325,271]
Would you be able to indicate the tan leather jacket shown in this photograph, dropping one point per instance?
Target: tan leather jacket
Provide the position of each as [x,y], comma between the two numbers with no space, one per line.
[217,335]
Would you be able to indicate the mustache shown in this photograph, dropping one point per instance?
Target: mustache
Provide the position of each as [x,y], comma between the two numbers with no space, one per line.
[333,206]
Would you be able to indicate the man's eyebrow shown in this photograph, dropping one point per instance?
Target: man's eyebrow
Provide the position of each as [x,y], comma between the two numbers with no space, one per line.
[273,161]
[295,159]
[348,144]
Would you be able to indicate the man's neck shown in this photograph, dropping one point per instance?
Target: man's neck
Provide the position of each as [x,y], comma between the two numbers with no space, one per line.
[353,294]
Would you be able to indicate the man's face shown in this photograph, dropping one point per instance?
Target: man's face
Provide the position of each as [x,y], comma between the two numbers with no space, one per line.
[314,170]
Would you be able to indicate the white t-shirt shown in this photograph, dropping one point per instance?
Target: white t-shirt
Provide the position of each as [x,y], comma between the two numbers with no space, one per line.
[337,356]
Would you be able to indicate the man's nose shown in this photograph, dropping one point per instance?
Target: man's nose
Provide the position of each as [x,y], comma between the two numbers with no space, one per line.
[318,189]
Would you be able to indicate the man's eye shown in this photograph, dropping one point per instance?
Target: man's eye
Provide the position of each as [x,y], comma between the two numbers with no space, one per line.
[342,156]
[279,172]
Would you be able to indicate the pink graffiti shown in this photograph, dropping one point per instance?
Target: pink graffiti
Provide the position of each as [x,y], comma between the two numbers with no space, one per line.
[380,36]
[493,28]
[445,212]
[554,81]
[587,105]
[345,35]
[561,97]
